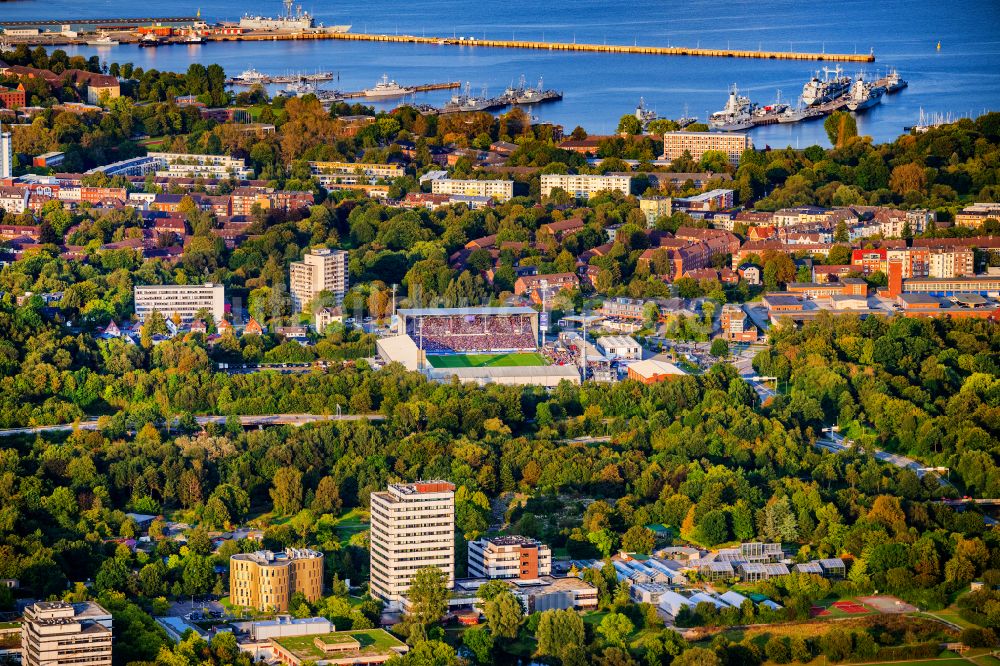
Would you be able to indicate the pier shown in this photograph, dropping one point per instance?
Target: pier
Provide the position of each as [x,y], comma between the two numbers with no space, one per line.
[563,46]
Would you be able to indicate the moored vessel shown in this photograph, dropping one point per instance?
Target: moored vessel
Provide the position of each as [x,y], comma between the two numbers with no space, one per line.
[386,88]
[818,91]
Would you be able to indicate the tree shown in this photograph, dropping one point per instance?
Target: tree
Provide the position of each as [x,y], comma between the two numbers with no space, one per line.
[639,539]
[697,657]
[836,644]
[504,614]
[840,127]
[327,497]
[907,178]
[720,348]
[558,630]
[615,628]
[629,124]
[778,650]
[114,574]
[428,596]
[286,492]
[480,643]
[198,575]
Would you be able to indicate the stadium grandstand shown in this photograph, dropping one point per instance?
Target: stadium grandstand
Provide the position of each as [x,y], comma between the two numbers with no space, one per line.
[477,345]
[470,330]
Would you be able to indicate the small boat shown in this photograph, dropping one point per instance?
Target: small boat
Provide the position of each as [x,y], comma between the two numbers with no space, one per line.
[149,40]
[194,38]
[386,88]
[103,40]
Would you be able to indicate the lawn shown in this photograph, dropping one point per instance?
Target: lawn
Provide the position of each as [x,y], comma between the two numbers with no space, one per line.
[486,360]
[950,615]
[372,641]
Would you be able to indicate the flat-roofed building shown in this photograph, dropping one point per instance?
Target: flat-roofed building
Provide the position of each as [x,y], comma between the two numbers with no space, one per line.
[655,207]
[58,633]
[331,174]
[191,165]
[266,580]
[698,143]
[736,324]
[321,269]
[509,557]
[412,527]
[185,300]
[975,215]
[620,347]
[501,190]
[584,186]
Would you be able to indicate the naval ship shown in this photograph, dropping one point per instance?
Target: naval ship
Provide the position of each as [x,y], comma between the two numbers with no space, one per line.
[294,19]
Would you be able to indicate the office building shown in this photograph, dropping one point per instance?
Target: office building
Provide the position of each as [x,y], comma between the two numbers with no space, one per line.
[509,557]
[185,300]
[584,186]
[698,143]
[58,633]
[321,269]
[266,580]
[412,527]
[6,155]
[501,190]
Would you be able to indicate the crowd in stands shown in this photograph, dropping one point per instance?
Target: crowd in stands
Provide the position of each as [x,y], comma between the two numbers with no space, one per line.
[473,333]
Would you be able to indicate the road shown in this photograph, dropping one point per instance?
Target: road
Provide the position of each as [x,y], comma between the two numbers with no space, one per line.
[247,421]
[834,442]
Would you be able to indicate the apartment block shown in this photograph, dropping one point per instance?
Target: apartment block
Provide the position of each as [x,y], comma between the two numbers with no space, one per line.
[501,190]
[320,270]
[58,633]
[6,155]
[584,186]
[266,580]
[185,300]
[188,165]
[655,207]
[698,143]
[330,174]
[950,263]
[412,527]
[509,557]
[975,215]
[736,325]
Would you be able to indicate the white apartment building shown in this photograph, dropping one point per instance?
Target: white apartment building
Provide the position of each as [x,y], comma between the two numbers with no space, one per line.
[501,190]
[321,269]
[6,155]
[183,299]
[698,143]
[353,173]
[509,557]
[189,165]
[412,527]
[583,186]
[58,633]
[950,263]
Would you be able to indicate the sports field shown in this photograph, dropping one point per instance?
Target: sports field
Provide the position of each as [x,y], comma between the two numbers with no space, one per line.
[486,360]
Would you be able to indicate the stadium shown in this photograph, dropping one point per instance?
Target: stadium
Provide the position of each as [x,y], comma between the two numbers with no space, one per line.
[481,345]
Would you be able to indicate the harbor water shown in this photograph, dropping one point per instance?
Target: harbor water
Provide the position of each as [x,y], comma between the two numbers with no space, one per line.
[960,78]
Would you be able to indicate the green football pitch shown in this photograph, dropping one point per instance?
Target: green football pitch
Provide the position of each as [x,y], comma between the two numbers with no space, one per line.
[485,360]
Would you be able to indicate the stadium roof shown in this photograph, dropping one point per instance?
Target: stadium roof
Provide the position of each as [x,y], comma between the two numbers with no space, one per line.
[446,312]
[534,375]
